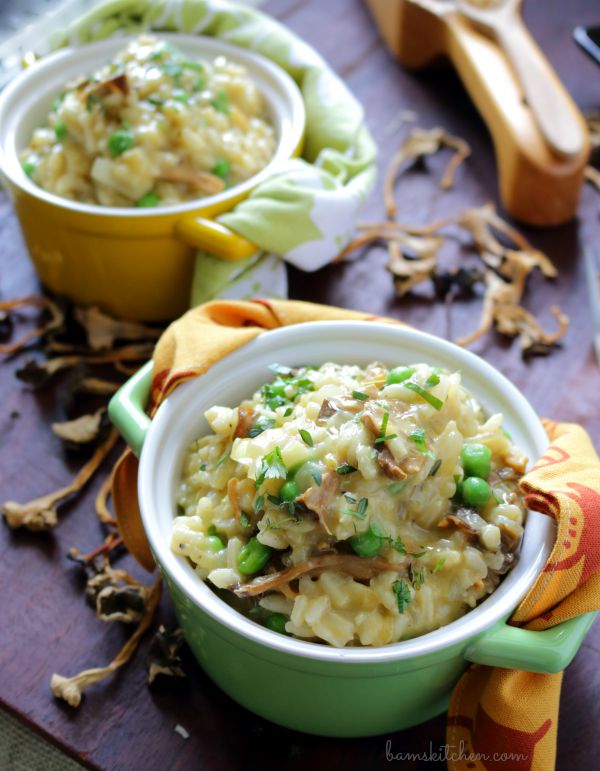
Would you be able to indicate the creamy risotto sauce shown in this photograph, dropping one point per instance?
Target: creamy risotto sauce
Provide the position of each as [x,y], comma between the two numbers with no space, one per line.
[352,506]
[150,128]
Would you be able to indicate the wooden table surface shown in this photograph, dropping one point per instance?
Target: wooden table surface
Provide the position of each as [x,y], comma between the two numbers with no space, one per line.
[45,626]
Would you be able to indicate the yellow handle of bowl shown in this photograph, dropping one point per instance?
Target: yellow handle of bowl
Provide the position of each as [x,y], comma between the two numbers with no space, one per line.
[215,238]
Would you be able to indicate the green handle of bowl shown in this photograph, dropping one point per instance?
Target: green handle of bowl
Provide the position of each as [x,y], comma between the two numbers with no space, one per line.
[126,408]
[547,651]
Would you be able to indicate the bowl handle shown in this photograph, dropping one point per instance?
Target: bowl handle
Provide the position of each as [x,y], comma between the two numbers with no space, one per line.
[546,651]
[215,238]
[126,408]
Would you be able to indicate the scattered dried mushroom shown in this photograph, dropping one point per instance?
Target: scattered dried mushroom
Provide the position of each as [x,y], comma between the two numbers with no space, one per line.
[163,657]
[107,342]
[507,257]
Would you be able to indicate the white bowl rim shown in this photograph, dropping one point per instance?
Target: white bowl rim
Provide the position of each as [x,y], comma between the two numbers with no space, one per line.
[296,113]
[496,607]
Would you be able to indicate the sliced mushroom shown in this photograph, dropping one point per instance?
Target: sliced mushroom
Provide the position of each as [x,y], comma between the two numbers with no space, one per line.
[246,418]
[348,564]
[389,465]
[199,181]
[319,498]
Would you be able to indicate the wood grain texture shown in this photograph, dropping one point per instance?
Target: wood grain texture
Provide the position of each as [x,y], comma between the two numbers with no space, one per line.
[45,625]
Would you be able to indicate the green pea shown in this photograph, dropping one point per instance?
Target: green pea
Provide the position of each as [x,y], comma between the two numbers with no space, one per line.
[150,199]
[399,375]
[276,622]
[475,491]
[214,543]
[221,168]
[60,130]
[476,459]
[30,164]
[289,491]
[253,557]
[367,544]
[119,141]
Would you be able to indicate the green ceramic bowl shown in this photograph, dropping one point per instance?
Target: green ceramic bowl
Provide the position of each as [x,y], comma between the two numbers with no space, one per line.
[302,685]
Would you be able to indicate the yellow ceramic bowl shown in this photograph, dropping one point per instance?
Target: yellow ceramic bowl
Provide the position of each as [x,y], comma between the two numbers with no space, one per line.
[133,263]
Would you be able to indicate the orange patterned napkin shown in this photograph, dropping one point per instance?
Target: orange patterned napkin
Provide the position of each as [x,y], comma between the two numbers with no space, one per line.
[503,710]
[492,710]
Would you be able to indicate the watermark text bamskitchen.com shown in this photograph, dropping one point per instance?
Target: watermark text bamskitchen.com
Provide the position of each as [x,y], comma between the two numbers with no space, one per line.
[452,752]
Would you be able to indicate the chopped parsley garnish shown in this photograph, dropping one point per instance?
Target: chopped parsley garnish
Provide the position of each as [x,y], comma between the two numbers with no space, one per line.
[345,468]
[261,424]
[172,70]
[360,396]
[439,564]
[93,100]
[180,95]
[403,595]
[58,101]
[271,467]
[306,437]
[259,503]
[203,467]
[425,395]
[317,476]
[221,460]
[432,380]
[156,101]
[190,65]
[383,428]
[245,519]
[435,468]
[288,412]
[148,200]
[221,168]
[360,511]
[398,545]
[275,394]
[396,487]
[221,102]
[418,437]
[417,576]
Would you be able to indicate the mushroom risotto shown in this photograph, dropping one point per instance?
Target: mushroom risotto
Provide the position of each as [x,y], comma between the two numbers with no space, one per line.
[152,127]
[352,506]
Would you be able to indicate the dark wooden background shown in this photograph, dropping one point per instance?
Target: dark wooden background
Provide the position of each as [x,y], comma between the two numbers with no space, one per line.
[44,624]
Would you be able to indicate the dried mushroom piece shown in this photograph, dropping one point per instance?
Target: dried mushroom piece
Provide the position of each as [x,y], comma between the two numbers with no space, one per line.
[81,430]
[103,331]
[56,320]
[501,308]
[40,514]
[419,144]
[163,654]
[116,602]
[348,564]
[71,689]
[507,256]
[38,373]
[413,259]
